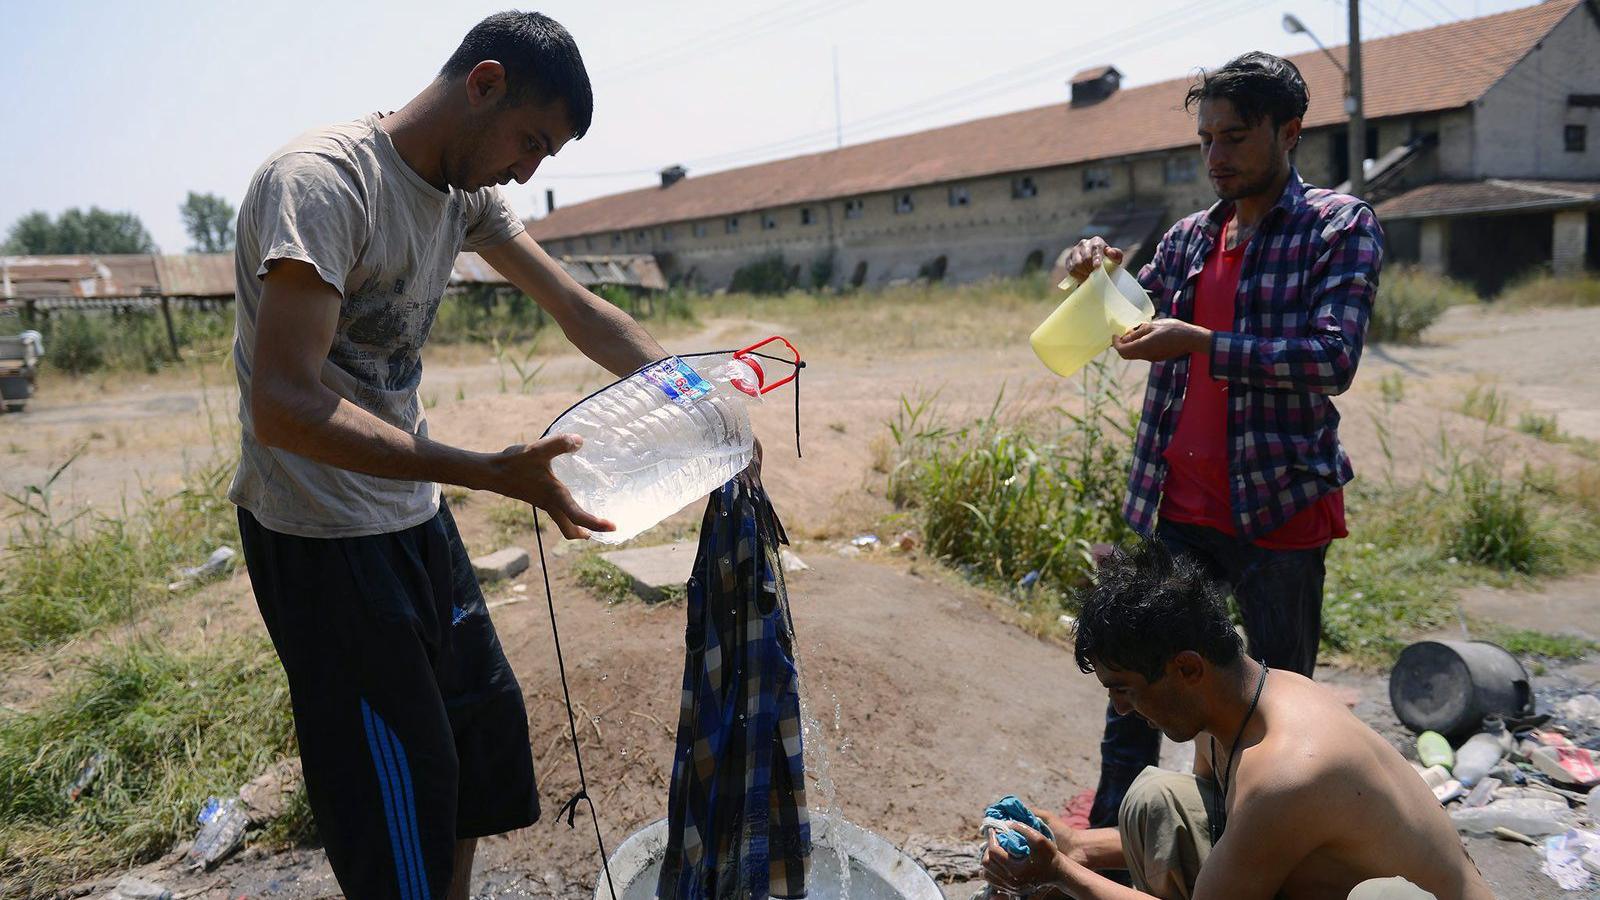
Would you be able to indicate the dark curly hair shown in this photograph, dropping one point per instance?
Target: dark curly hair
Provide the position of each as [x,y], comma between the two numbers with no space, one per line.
[1258,84]
[1147,606]
[541,60]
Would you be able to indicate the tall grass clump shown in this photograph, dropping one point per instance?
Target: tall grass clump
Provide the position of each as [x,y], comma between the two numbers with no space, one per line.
[1552,290]
[1409,301]
[62,576]
[1016,500]
[171,729]
[1495,524]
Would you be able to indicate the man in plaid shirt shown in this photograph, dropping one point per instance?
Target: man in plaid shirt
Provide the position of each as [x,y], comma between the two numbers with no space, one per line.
[1263,302]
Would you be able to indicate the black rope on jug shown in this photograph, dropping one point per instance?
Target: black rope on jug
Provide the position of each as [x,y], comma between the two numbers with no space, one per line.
[570,808]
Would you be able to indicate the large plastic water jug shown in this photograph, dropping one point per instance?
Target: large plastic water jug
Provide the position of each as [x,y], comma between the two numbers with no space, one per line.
[1107,304]
[663,437]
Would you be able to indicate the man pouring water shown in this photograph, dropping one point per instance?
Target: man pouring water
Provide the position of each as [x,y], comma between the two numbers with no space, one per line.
[1262,304]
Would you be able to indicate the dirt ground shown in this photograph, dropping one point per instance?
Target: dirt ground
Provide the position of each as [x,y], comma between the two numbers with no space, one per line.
[924,700]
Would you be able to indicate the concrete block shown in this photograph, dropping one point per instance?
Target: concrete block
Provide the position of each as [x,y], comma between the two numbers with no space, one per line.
[507,563]
[653,571]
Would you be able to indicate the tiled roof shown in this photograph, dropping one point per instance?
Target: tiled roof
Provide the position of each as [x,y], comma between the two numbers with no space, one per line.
[1421,71]
[1450,198]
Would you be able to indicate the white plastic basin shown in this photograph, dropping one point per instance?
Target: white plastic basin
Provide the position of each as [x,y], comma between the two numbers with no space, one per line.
[878,870]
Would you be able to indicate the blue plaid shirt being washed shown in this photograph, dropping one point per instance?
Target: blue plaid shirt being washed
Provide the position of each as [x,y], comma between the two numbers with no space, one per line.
[1306,290]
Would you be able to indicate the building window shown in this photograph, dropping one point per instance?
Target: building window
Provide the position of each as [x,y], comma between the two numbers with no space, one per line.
[641,236]
[699,229]
[1096,178]
[666,233]
[903,204]
[616,239]
[805,215]
[854,208]
[1577,138]
[768,221]
[960,196]
[1180,169]
[731,225]
[1022,187]
[588,244]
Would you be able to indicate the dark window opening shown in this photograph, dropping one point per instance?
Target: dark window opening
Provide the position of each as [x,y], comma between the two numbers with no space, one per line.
[859,276]
[960,196]
[731,225]
[1577,138]
[1023,188]
[805,215]
[1096,178]
[853,209]
[902,204]
[1033,263]
[768,221]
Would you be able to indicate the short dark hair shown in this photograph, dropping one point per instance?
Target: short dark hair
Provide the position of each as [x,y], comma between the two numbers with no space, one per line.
[541,60]
[1258,84]
[1145,607]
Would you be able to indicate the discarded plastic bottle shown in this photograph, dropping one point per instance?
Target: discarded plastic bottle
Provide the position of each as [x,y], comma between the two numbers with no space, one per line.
[1530,817]
[1434,750]
[84,782]
[222,826]
[1481,753]
[663,437]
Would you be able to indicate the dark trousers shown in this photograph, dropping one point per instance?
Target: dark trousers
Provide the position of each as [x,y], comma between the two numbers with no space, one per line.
[1279,593]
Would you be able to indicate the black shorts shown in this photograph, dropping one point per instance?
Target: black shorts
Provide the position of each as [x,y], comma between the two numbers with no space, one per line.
[411,725]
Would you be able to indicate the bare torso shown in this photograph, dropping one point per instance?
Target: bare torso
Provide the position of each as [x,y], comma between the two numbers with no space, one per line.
[1358,810]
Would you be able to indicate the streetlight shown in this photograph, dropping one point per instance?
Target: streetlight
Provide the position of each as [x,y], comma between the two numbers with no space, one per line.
[1356,147]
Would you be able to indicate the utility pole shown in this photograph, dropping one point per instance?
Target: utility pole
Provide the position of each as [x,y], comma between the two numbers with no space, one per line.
[1357,148]
[838,119]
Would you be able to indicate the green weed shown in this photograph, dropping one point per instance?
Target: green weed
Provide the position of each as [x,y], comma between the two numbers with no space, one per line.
[173,728]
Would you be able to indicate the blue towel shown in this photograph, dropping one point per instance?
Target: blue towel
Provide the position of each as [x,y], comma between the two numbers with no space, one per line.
[1010,809]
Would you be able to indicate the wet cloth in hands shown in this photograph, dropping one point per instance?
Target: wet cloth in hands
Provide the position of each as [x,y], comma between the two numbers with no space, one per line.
[1009,809]
[736,809]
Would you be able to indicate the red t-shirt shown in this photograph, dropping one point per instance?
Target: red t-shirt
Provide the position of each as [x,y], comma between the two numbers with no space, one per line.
[1196,489]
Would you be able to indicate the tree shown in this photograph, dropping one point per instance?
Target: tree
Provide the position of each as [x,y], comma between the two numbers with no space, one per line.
[209,220]
[77,231]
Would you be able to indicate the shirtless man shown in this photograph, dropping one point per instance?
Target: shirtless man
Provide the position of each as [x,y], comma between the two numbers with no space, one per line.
[1292,796]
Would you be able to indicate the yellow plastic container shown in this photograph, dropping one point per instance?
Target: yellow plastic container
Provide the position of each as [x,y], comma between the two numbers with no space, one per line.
[1108,304]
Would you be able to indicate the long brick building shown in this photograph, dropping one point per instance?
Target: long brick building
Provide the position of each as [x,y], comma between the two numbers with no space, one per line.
[1482,147]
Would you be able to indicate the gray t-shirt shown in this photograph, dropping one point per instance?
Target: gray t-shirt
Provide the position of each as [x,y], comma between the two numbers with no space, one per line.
[343,200]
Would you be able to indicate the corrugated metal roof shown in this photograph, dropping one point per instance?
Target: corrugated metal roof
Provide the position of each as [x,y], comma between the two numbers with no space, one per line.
[628,270]
[196,275]
[1492,195]
[1421,71]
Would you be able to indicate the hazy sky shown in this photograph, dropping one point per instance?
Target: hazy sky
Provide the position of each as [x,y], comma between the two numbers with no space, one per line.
[129,106]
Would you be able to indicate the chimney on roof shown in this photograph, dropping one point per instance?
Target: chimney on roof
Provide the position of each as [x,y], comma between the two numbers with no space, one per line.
[1093,85]
[671,175]
[549,201]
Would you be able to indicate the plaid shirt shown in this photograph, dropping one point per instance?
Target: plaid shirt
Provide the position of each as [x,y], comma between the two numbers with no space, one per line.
[737,825]
[1306,289]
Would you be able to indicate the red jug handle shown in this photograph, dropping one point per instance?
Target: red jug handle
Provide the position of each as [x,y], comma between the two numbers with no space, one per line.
[745,357]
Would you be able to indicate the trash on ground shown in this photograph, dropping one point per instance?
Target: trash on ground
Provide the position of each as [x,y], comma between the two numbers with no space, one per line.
[864,541]
[83,782]
[217,564]
[905,542]
[1564,858]
[1568,765]
[1529,816]
[1066,621]
[508,601]
[1029,581]
[1482,792]
[946,861]
[1584,709]
[131,888]
[1439,781]
[1450,687]
[267,796]
[1506,834]
[222,826]
[791,562]
[1434,750]
[1481,753]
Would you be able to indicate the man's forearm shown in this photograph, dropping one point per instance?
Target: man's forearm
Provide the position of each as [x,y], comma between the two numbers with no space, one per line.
[1081,883]
[1098,848]
[610,336]
[329,429]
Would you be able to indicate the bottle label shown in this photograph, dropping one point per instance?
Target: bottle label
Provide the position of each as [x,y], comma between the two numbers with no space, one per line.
[680,383]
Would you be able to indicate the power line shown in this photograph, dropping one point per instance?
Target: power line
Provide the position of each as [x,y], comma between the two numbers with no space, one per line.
[732,34]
